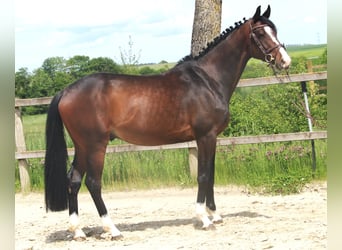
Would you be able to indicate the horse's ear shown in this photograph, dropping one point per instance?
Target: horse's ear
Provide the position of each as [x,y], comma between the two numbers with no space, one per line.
[257,14]
[267,13]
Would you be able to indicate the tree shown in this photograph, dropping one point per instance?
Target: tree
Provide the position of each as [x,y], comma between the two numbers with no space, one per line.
[22,83]
[102,64]
[77,65]
[207,24]
[41,84]
[52,65]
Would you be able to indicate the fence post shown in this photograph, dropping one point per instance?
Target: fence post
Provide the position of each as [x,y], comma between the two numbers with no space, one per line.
[21,147]
[193,159]
[311,83]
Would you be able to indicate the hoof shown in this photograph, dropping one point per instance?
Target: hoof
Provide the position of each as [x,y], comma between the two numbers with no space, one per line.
[109,236]
[79,238]
[79,235]
[209,227]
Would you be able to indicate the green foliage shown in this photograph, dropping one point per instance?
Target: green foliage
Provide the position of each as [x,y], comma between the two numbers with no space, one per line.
[146,71]
[324,57]
[277,108]
[51,66]
[55,74]
[22,83]
[286,184]
[256,68]
[271,110]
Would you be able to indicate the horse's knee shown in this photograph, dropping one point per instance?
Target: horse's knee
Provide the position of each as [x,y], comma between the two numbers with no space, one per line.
[202,179]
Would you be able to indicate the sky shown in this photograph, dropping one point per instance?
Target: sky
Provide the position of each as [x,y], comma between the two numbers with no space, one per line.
[160,29]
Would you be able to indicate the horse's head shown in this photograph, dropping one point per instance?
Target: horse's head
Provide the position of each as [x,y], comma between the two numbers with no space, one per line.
[264,42]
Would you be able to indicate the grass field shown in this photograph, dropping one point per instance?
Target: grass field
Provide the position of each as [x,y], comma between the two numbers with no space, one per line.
[307,51]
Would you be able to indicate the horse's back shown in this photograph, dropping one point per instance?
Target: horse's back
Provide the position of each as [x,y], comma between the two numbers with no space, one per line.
[147,110]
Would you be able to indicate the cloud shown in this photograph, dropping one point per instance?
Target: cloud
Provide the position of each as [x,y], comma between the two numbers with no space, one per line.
[161,29]
[79,13]
[310,19]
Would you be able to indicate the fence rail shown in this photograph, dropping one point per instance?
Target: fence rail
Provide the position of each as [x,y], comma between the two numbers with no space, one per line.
[22,155]
[301,136]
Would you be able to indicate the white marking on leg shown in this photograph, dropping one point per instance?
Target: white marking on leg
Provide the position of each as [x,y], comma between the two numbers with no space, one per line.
[75,227]
[202,215]
[109,226]
[216,217]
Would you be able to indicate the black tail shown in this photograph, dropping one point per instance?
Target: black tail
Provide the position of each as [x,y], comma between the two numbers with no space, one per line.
[56,156]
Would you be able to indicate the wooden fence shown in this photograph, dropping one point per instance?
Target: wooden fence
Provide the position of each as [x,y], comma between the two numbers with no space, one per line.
[22,155]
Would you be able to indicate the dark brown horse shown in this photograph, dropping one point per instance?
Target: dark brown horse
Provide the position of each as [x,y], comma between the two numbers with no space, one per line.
[188,102]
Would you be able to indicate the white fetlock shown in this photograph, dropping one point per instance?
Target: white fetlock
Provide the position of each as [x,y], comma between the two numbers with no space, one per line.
[108,226]
[203,216]
[75,227]
[216,217]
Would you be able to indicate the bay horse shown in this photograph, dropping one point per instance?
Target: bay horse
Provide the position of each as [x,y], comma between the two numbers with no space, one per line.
[188,102]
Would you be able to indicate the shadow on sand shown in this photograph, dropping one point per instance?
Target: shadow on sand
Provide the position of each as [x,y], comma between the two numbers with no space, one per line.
[97,231]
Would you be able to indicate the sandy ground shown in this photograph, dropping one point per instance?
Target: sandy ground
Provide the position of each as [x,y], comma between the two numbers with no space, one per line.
[164,219]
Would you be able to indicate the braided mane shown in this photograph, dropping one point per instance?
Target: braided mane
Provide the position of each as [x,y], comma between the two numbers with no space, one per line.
[214,42]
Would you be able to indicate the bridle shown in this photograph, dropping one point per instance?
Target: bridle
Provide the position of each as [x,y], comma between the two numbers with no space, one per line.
[266,51]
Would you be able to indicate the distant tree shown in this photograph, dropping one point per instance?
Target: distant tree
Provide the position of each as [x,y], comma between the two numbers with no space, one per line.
[60,81]
[22,83]
[103,64]
[207,24]
[77,66]
[146,71]
[41,83]
[52,65]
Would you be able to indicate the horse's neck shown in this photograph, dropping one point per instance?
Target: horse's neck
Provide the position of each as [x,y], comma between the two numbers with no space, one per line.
[226,62]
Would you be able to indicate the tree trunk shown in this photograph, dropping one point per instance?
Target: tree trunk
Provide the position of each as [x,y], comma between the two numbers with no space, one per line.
[207,24]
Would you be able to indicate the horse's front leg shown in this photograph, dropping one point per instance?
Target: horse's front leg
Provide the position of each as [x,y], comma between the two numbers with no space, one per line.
[206,169]
[210,201]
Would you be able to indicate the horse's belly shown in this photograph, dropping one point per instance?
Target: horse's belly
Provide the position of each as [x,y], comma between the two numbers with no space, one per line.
[152,136]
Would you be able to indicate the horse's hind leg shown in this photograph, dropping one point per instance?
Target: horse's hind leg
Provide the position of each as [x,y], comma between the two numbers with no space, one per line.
[93,183]
[75,178]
